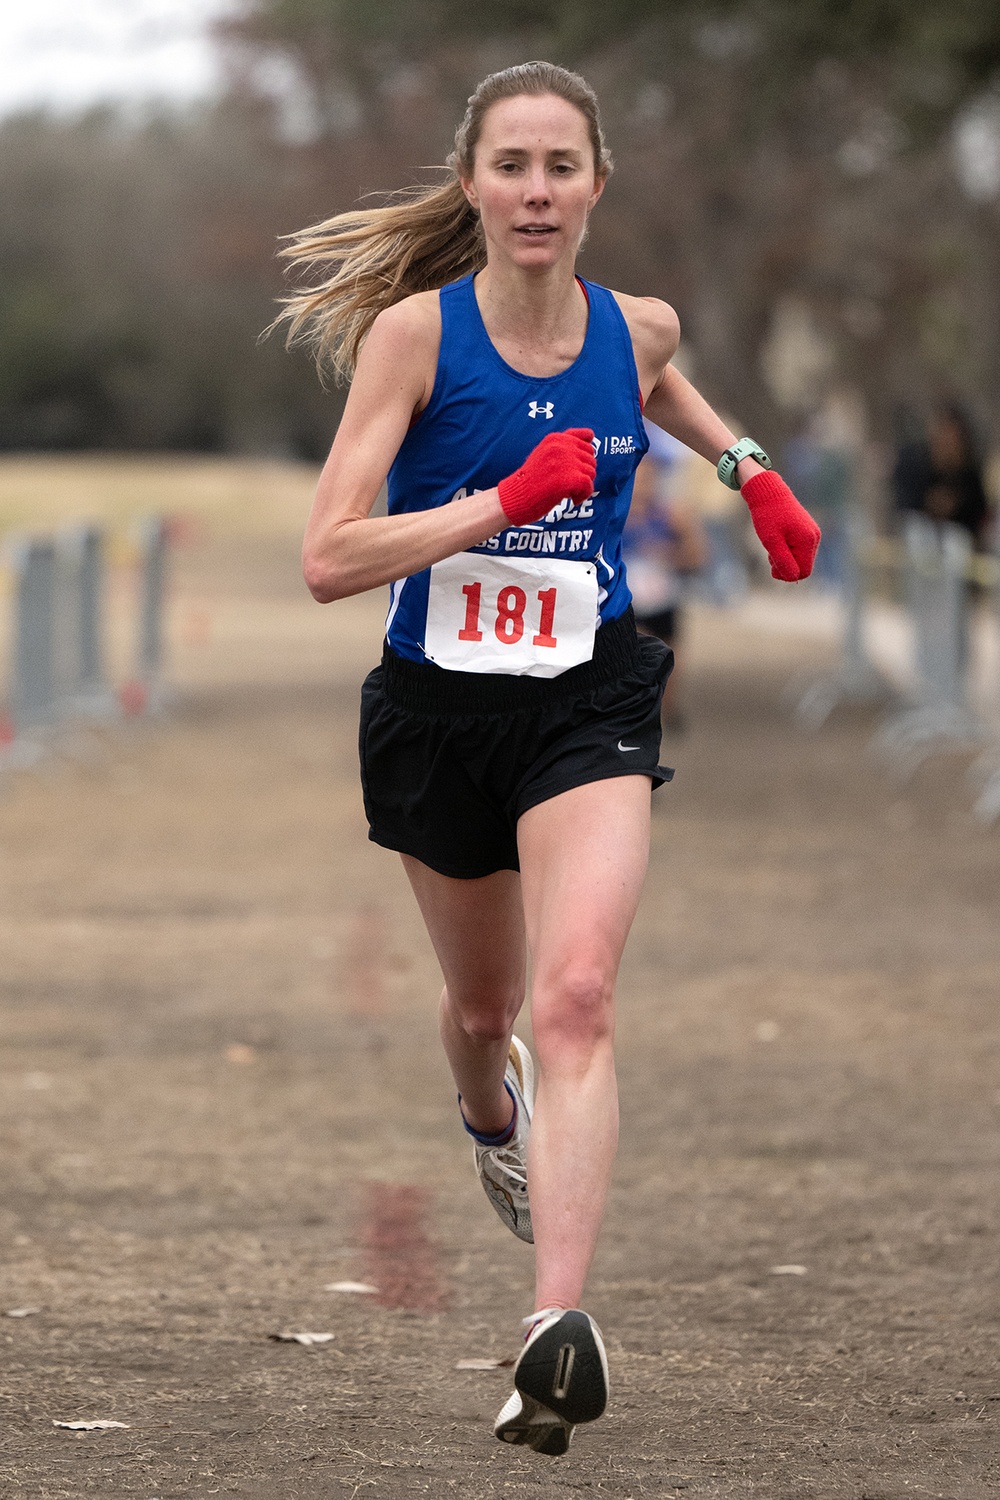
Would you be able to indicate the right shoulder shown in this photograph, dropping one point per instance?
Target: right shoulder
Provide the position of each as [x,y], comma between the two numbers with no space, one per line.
[415,319]
[406,338]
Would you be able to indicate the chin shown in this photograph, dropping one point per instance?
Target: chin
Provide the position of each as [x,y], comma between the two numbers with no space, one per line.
[537,257]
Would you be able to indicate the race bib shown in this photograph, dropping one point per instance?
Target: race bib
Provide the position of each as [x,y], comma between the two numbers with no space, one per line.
[527,617]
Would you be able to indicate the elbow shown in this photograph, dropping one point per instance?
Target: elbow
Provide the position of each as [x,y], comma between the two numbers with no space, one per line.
[322,580]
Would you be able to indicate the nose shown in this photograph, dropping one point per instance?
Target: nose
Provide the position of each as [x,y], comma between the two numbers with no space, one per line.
[536,189]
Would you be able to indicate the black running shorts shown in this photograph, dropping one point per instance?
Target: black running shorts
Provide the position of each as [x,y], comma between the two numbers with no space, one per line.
[450,760]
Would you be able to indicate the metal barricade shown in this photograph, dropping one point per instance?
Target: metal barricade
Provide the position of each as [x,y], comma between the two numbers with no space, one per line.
[856,680]
[32,687]
[153,538]
[937,569]
[91,688]
[986,808]
[57,667]
[78,625]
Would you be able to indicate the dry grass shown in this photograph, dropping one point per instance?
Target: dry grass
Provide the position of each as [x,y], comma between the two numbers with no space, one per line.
[247,497]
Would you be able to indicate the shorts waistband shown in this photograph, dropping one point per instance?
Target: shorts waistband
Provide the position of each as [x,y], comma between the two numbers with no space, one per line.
[424,687]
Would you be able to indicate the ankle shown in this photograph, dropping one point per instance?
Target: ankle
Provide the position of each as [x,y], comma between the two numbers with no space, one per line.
[533,1319]
[489,1137]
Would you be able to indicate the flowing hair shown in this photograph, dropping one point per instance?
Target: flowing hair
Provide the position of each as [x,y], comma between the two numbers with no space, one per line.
[417,241]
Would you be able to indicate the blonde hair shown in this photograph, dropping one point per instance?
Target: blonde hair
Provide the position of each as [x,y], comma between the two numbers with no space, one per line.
[419,240]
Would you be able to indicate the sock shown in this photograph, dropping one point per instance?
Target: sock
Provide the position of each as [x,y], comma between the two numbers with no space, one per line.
[530,1323]
[503,1136]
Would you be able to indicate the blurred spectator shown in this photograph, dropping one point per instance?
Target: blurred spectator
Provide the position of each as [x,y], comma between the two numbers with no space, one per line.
[819,471]
[911,462]
[663,542]
[939,472]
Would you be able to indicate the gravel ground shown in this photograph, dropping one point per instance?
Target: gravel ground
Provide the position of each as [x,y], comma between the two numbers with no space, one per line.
[221,1092]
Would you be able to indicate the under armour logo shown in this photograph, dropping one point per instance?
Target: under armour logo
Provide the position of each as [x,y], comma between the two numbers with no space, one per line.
[539,408]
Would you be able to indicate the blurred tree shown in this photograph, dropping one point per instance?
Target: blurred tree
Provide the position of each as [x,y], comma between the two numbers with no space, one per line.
[786,176]
[136,272]
[771,154]
[928,56]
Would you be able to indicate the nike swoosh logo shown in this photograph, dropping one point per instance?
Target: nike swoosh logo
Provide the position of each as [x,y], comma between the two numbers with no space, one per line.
[628,747]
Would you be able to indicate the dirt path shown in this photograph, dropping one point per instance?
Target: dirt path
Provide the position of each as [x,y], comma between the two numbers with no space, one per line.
[220,1091]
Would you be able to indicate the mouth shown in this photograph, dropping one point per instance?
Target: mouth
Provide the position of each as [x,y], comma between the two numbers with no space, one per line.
[535,231]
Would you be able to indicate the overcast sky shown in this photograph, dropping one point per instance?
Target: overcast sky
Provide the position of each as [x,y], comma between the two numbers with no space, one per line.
[67,54]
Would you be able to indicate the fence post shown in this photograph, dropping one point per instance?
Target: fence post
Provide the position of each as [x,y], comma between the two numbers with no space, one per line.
[77,625]
[32,694]
[91,688]
[153,541]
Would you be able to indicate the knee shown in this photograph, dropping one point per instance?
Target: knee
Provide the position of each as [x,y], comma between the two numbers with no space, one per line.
[572,1013]
[486,1017]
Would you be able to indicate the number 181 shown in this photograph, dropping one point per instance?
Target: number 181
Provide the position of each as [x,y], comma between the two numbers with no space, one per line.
[510,608]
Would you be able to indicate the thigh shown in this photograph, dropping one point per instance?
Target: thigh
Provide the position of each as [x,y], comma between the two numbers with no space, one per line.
[476,927]
[612,732]
[426,785]
[583,861]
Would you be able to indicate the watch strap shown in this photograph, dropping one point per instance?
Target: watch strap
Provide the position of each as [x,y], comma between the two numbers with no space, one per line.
[745,448]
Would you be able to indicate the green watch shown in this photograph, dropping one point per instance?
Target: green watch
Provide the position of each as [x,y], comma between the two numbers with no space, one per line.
[745,448]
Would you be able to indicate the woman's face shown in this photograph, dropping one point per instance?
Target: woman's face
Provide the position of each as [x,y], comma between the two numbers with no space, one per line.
[533,182]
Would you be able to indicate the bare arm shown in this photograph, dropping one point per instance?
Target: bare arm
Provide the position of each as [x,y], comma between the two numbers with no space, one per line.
[676,406]
[789,534]
[669,400]
[346,549]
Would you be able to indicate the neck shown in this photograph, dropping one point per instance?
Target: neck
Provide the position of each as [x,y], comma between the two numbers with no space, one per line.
[536,307]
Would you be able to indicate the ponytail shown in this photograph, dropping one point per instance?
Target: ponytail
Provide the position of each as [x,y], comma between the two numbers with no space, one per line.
[419,240]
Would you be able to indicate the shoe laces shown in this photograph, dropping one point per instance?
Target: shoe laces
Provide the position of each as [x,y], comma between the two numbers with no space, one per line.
[509,1161]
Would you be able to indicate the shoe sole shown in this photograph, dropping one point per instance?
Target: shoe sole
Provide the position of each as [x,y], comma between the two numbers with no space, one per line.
[563,1370]
[539,1428]
[506,1208]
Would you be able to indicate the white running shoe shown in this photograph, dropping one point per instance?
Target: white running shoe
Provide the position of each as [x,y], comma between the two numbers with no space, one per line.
[560,1380]
[503,1170]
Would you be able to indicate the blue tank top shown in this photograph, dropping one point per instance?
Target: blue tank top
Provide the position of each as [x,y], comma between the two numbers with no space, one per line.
[482,421]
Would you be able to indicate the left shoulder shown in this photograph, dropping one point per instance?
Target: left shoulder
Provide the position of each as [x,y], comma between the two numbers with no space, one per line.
[655,331]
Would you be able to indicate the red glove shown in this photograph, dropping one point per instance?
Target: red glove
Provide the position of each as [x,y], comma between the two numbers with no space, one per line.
[788,531]
[563,466]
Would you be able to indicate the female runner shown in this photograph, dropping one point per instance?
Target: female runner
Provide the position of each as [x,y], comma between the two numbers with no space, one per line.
[510,738]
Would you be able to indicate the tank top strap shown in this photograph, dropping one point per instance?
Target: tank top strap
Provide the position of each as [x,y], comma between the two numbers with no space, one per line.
[463,337]
[613,330]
